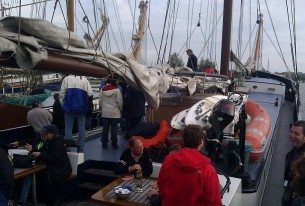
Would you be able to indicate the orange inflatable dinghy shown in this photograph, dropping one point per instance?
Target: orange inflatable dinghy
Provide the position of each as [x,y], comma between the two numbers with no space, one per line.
[257,129]
[160,136]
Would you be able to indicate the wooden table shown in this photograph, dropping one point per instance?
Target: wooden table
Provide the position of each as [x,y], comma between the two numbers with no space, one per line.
[107,196]
[24,172]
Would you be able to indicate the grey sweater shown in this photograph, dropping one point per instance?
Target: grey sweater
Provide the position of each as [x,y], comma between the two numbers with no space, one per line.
[38,118]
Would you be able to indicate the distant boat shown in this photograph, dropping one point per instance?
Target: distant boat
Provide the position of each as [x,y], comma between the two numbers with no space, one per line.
[25,99]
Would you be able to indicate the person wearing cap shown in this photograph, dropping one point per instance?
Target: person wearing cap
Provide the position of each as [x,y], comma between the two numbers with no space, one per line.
[54,155]
[38,118]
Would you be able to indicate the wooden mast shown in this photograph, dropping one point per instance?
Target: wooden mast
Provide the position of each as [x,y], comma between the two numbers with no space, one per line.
[70,14]
[257,52]
[226,37]
[139,35]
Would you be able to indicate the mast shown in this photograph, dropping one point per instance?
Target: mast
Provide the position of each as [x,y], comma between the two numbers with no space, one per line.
[257,53]
[226,37]
[139,35]
[70,14]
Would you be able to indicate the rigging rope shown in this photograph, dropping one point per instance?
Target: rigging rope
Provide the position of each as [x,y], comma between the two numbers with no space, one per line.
[118,19]
[291,40]
[279,53]
[210,34]
[174,27]
[240,29]
[280,49]
[164,24]
[55,5]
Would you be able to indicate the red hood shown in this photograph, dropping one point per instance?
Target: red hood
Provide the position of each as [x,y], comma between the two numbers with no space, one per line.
[190,160]
[108,87]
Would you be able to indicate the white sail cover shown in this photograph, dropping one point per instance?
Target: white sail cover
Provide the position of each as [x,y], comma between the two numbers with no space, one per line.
[39,37]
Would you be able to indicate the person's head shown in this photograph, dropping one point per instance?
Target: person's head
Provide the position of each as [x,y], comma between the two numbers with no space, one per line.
[56,96]
[49,132]
[35,104]
[136,146]
[189,52]
[112,82]
[297,134]
[193,137]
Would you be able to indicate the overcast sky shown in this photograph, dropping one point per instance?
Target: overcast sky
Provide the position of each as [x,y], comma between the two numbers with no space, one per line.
[157,11]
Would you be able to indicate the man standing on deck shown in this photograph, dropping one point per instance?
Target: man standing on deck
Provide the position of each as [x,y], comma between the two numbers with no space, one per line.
[297,138]
[192,60]
[75,91]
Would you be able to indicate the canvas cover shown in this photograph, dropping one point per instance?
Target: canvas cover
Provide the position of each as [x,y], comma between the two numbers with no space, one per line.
[37,38]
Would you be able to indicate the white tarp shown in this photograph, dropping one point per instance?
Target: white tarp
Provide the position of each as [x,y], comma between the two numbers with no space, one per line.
[39,37]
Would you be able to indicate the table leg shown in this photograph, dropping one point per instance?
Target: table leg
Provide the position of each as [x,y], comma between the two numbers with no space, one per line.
[34,196]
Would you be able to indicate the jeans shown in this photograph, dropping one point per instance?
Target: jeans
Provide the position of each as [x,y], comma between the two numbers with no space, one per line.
[27,181]
[107,123]
[81,121]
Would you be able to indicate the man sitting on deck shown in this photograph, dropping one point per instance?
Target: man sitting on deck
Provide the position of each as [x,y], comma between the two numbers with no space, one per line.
[135,158]
[297,138]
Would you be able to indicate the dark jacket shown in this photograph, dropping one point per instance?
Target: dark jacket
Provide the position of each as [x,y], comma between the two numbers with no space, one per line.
[134,103]
[289,193]
[56,159]
[58,115]
[192,62]
[6,174]
[126,160]
[290,157]
[90,107]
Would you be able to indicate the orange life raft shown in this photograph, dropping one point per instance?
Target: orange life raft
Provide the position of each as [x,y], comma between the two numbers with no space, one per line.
[257,129]
[160,136]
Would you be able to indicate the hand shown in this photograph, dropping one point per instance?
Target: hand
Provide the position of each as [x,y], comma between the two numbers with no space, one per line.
[14,144]
[36,154]
[28,147]
[135,167]
[152,192]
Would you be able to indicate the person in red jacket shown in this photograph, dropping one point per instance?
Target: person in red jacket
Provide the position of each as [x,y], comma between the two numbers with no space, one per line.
[187,177]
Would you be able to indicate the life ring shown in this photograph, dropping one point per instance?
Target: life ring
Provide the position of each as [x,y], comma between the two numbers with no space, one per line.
[258,128]
[160,136]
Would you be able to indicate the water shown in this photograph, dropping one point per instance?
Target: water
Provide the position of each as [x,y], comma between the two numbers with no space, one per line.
[302,101]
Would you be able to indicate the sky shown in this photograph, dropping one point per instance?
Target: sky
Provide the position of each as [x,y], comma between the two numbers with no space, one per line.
[121,12]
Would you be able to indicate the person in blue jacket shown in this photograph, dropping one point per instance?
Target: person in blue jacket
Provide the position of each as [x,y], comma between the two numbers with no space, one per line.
[74,97]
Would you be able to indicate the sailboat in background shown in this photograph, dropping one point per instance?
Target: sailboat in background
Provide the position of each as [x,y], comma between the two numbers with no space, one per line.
[171,90]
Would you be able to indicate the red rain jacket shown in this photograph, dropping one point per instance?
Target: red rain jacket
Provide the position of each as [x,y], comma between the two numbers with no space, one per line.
[187,178]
